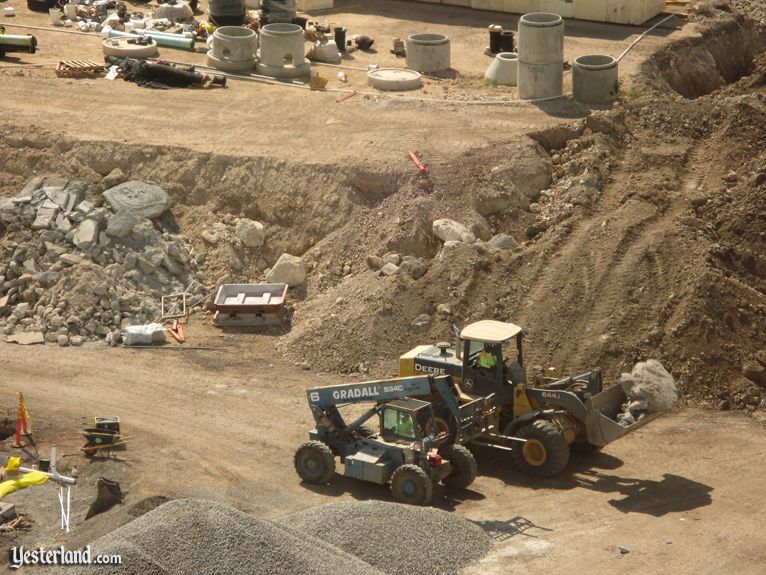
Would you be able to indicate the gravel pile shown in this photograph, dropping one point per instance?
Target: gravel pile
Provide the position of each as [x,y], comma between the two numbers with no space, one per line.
[395,538]
[205,538]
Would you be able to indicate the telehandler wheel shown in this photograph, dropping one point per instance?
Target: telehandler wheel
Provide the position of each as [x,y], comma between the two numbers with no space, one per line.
[314,462]
[410,484]
[463,463]
[545,452]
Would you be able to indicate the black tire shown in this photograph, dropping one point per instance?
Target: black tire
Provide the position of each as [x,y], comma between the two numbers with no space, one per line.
[463,464]
[411,485]
[314,462]
[545,453]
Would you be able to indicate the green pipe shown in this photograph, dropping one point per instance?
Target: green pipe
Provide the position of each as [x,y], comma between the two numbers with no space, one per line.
[169,42]
[11,40]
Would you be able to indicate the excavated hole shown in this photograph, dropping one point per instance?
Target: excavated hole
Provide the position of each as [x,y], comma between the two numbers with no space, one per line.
[722,54]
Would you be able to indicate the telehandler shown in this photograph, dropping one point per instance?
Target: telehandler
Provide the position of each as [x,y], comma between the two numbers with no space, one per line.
[409,451]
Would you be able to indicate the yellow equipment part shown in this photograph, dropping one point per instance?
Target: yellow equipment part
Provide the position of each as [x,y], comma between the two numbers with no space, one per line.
[26,480]
[407,361]
[521,402]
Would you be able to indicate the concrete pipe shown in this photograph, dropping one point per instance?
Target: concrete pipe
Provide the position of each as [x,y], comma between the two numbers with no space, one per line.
[282,52]
[537,81]
[428,52]
[595,79]
[233,49]
[541,38]
[504,69]
[227,12]
[541,56]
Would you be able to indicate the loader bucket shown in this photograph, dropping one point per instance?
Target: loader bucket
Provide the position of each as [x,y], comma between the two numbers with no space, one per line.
[601,412]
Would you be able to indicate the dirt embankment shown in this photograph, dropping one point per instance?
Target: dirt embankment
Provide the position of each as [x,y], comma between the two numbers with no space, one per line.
[637,235]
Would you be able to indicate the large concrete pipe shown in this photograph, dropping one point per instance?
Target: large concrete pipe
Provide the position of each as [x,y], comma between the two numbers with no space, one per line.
[233,49]
[541,56]
[227,12]
[282,53]
[595,79]
[428,52]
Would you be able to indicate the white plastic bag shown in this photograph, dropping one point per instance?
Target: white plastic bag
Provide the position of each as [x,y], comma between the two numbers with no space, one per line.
[149,334]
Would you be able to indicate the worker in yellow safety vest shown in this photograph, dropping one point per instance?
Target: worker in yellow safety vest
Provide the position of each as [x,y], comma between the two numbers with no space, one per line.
[405,426]
[487,359]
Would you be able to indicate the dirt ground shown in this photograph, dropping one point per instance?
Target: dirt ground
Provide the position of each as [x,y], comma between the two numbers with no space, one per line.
[680,494]
[635,241]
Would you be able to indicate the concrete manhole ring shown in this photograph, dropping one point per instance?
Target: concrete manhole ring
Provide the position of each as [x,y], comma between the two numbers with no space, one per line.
[393,79]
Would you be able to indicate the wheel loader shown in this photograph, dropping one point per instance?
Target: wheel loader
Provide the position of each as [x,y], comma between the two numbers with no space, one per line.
[548,414]
[408,452]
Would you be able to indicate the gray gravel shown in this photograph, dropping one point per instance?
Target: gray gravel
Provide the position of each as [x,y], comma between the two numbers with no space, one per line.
[186,536]
[397,539]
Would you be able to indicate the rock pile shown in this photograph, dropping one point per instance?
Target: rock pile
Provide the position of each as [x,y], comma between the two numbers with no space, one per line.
[76,264]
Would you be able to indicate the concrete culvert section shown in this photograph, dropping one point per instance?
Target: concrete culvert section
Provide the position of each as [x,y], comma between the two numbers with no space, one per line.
[594,79]
[428,52]
[376,532]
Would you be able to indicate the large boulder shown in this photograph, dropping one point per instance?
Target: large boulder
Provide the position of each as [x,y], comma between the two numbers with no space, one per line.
[141,199]
[289,270]
[250,232]
[452,231]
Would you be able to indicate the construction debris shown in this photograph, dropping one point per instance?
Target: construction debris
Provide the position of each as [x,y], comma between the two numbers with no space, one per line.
[650,389]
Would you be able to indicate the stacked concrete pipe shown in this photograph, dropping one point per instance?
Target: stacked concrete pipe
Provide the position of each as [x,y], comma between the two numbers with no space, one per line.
[541,56]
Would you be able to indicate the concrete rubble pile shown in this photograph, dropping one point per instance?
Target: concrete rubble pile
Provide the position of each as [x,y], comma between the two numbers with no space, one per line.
[650,389]
[76,264]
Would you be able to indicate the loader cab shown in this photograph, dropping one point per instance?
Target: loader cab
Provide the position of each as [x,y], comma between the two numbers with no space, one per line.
[405,420]
[492,358]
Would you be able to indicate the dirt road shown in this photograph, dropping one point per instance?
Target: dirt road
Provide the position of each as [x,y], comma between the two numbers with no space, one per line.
[680,495]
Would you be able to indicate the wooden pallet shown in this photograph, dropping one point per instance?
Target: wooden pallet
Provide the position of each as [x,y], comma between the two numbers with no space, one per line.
[78,69]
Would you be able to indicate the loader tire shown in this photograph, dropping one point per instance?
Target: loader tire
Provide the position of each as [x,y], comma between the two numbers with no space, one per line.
[545,452]
[315,462]
[411,485]
[463,466]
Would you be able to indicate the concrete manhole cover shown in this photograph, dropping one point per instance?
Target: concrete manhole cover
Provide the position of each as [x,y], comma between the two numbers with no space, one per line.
[393,79]
[138,198]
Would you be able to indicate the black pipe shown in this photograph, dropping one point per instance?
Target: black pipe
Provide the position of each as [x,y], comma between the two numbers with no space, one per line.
[494,40]
[506,41]
[340,38]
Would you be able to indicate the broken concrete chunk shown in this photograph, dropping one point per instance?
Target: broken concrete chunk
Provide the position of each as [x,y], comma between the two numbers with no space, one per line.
[250,232]
[289,269]
[389,269]
[26,338]
[450,230]
[139,198]
[121,223]
[71,259]
[86,235]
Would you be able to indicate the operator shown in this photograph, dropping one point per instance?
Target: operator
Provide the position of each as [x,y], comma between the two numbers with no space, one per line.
[405,427]
[487,359]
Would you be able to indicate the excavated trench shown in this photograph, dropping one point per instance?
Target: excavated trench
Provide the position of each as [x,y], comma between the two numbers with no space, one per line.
[721,54]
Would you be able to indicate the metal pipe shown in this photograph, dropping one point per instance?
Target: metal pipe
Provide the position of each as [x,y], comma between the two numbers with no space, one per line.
[55,476]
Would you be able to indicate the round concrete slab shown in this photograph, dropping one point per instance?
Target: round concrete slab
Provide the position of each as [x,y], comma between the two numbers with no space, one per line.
[138,198]
[393,79]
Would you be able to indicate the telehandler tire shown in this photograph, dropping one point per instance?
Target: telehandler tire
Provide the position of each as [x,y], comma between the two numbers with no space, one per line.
[314,462]
[410,484]
[463,464]
[545,452]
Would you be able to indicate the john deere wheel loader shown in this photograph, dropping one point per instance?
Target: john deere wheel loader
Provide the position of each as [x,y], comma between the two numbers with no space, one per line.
[408,452]
[549,414]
